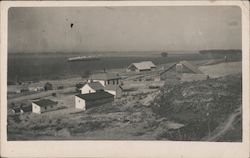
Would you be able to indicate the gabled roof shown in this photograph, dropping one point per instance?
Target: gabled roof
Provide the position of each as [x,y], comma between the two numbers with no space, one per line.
[186,64]
[81,84]
[105,76]
[191,67]
[95,96]
[112,87]
[168,68]
[145,65]
[95,85]
[45,102]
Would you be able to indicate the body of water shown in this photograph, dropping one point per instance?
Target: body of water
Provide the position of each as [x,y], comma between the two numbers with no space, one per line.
[54,66]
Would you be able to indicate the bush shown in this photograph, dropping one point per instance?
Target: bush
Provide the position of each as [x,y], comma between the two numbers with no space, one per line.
[54,94]
[79,85]
[164,54]
[48,86]
[60,87]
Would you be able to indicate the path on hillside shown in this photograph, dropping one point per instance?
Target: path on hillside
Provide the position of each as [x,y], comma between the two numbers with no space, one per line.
[222,129]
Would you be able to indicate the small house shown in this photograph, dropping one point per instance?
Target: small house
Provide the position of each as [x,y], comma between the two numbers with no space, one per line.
[91,87]
[15,110]
[84,101]
[20,109]
[106,78]
[43,105]
[116,90]
[142,66]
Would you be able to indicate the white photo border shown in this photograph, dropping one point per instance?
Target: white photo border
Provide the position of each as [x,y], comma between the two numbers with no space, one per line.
[123,148]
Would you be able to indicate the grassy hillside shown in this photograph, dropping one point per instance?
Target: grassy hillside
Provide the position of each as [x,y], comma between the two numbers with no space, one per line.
[202,106]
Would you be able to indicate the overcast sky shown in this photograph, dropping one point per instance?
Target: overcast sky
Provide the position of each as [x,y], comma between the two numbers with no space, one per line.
[123,29]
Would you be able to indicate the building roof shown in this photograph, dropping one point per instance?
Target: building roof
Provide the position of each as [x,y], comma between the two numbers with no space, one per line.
[112,87]
[95,85]
[95,96]
[145,65]
[185,63]
[191,67]
[80,85]
[45,102]
[26,108]
[105,76]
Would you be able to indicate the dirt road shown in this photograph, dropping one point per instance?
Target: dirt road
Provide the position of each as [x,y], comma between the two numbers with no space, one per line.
[40,95]
[222,129]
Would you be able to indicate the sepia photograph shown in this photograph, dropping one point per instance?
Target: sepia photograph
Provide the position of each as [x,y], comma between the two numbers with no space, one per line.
[128,73]
[170,73]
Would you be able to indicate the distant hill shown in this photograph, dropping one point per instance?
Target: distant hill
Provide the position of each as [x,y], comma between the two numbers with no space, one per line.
[230,54]
[203,107]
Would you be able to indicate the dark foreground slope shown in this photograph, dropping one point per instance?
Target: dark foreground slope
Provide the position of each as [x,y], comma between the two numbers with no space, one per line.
[211,110]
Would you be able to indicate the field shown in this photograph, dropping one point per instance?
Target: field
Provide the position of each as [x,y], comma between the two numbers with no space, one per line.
[166,109]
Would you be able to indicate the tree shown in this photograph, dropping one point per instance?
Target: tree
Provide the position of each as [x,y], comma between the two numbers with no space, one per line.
[164,54]
[79,86]
[48,86]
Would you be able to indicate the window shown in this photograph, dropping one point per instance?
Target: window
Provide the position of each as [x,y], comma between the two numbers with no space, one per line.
[113,82]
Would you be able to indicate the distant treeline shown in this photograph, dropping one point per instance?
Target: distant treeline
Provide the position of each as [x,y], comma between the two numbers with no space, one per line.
[229,55]
[221,52]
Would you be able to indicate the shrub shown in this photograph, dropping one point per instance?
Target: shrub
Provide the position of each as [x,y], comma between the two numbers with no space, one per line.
[60,87]
[48,86]
[164,54]
[54,94]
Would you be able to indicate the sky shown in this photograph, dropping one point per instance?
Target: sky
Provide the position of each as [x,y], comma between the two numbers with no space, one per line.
[88,29]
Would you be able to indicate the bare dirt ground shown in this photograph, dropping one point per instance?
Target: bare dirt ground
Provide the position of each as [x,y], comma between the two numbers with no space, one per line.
[222,69]
[224,127]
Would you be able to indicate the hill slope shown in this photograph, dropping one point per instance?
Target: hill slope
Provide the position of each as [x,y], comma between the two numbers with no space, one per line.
[204,107]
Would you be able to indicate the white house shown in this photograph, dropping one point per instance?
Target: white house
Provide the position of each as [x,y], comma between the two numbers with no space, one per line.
[84,101]
[116,90]
[43,105]
[91,87]
[141,66]
[106,78]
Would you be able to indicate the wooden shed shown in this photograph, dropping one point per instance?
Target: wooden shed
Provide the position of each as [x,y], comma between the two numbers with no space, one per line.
[43,105]
[116,90]
[106,78]
[84,101]
[141,66]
